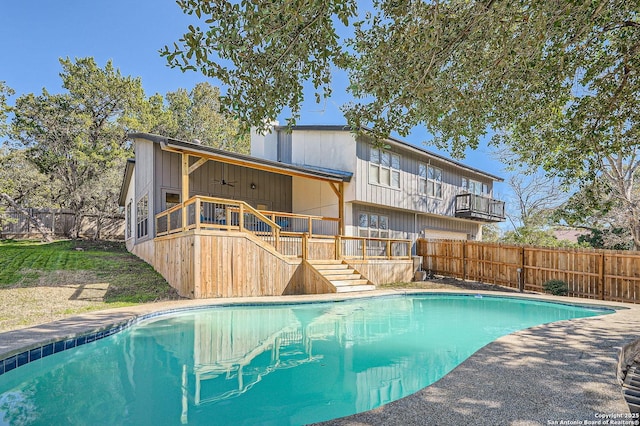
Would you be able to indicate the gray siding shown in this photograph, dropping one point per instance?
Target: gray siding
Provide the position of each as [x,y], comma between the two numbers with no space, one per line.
[405,224]
[407,196]
[144,172]
[272,190]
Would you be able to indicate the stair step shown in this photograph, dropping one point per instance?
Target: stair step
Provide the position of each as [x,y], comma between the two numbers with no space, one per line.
[325,262]
[356,282]
[349,288]
[331,267]
[331,272]
[343,277]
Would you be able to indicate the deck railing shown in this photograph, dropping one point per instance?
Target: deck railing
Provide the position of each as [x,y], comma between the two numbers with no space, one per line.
[479,207]
[373,248]
[289,233]
[312,225]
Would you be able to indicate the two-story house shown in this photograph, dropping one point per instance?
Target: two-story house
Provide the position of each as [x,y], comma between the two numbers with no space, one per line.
[397,190]
[313,209]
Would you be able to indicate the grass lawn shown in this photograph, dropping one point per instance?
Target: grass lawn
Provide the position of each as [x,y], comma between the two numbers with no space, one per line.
[43,282]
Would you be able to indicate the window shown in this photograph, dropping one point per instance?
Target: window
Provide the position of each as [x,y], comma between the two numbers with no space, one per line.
[384,168]
[475,187]
[171,200]
[373,225]
[128,213]
[430,180]
[142,217]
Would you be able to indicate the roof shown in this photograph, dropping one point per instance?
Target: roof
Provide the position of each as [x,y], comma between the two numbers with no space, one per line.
[128,172]
[398,143]
[246,160]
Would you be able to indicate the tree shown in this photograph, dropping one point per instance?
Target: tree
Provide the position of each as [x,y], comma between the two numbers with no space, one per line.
[74,137]
[5,92]
[557,82]
[458,67]
[598,209]
[490,232]
[197,115]
[530,210]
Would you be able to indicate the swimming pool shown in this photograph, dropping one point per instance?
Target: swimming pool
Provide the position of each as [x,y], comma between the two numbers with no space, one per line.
[285,364]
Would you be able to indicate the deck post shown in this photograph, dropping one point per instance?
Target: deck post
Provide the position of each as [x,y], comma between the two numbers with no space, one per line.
[185,188]
[241,217]
[338,247]
[388,249]
[339,191]
[305,246]
[197,212]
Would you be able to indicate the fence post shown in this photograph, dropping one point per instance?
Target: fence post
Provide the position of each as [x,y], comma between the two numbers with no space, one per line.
[464,260]
[601,277]
[521,274]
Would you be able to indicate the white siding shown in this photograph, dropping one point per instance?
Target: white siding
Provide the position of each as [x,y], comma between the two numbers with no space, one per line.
[313,197]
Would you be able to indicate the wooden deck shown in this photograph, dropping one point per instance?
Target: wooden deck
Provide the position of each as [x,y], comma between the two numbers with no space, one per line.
[230,249]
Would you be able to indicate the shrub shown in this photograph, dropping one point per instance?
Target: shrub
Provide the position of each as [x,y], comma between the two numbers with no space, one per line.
[556,287]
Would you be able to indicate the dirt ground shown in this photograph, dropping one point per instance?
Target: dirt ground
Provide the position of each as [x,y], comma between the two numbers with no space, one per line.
[55,296]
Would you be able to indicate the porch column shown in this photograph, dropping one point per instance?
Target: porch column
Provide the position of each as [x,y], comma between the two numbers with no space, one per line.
[339,191]
[185,187]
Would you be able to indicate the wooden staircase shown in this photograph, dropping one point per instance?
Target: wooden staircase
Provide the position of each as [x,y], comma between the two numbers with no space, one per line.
[342,276]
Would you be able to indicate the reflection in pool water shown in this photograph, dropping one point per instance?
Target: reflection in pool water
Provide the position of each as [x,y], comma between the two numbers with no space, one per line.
[291,364]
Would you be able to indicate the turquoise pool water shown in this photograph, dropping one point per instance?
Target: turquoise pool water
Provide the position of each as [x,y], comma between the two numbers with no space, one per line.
[280,365]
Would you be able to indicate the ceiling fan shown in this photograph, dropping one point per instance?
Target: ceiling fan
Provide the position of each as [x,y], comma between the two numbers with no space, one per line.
[225,182]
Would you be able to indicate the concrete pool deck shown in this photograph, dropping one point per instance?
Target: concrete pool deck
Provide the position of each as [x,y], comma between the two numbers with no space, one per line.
[560,372]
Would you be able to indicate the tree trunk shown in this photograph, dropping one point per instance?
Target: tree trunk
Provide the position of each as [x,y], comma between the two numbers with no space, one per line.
[42,229]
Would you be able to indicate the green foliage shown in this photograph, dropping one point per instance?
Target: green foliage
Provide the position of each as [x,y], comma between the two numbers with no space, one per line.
[197,115]
[490,232]
[264,51]
[610,239]
[560,77]
[24,263]
[78,137]
[556,287]
[22,181]
[5,92]
[536,236]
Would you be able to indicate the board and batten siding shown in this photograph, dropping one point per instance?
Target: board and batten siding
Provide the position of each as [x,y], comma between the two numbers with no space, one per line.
[144,172]
[272,190]
[402,224]
[408,196]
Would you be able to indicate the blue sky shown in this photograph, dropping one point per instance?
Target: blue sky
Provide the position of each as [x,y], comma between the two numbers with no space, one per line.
[34,34]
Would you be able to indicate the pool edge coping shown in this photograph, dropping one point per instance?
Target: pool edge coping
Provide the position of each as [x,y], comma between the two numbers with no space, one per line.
[20,355]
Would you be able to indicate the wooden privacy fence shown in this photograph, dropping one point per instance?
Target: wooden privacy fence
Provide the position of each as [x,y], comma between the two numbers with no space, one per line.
[14,224]
[594,274]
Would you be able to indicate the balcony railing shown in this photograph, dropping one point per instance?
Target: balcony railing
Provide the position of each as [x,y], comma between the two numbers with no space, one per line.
[477,207]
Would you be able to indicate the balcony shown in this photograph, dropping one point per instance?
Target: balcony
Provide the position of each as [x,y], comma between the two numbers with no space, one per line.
[477,207]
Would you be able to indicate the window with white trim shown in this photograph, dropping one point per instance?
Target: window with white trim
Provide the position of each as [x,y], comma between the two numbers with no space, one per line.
[142,217]
[373,226]
[475,187]
[384,167]
[430,180]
